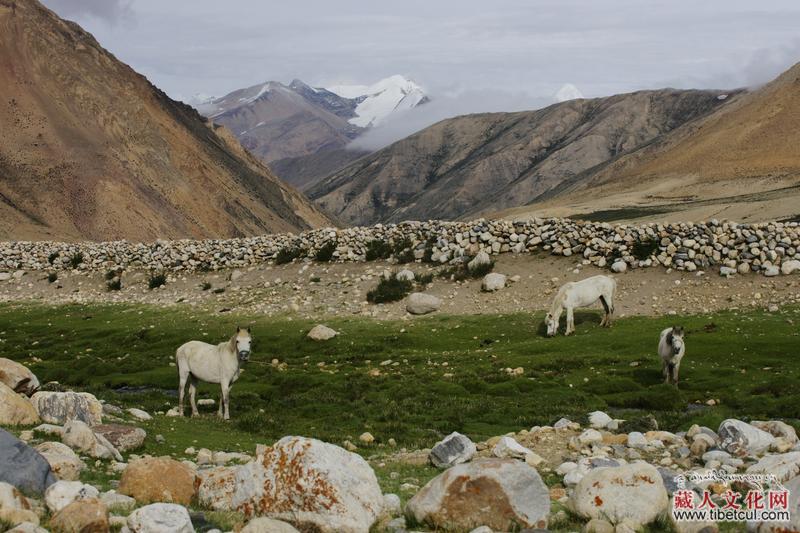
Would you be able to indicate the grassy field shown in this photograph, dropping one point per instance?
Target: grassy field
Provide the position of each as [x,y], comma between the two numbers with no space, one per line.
[437,375]
[446,373]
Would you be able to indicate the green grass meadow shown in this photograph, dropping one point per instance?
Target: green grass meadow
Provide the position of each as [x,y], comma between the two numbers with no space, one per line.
[446,373]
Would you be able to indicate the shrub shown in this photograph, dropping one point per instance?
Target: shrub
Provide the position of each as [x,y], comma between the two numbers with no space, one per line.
[378,249]
[325,253]
[642,250]
[157,280]
[52,257]
[424,279]
[205,286]
[114,285]
[315,279]
[111,274]
[219,290]
[52,277]
[481,270]
[288,254]
[76,260]
[389,290]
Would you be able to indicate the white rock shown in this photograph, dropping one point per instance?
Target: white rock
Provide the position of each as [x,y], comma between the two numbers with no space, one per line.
[268,525]
[508,448]
[740,438]
[62,493]
[78,436]
[139,414]
[321,332]
[64,462]
[784,466]
[599,420]
[452,450]
[633,493]
[60,407]
[419,303]
[159,518]
[493,282]
[788,267]
[619,266]
[405,275]
[590,436]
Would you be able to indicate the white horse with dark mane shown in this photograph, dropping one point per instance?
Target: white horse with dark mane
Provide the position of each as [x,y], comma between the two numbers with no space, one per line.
[213,364]
[581,294]
[671,349]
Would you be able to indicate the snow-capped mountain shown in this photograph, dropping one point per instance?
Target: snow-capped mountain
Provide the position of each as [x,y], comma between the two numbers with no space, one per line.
[378,101]
[568,92]
[281,123]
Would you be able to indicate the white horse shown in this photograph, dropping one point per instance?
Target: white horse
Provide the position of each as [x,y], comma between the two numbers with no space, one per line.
[581,294]
[671,349]
[212,364]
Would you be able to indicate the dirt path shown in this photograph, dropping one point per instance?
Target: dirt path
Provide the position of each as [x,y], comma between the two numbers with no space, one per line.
[318,290]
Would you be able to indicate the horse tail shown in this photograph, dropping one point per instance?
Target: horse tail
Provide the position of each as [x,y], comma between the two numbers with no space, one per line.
[605,304]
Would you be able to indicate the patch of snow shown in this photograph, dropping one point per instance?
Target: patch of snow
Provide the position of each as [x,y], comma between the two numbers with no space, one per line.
[381,99]
[568,92]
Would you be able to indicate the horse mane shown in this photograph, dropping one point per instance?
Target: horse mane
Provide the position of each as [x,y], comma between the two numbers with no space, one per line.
[232,343]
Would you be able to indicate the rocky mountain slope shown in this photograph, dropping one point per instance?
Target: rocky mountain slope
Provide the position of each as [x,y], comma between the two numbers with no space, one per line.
[305,129]
[89,149]
[477,164]
[740,162]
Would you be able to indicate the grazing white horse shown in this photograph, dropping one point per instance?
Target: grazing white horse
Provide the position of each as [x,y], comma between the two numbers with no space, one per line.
[212,364]
[671,349]
[581,294]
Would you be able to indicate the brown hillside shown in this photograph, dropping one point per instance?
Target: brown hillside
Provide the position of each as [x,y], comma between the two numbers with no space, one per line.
[89,149]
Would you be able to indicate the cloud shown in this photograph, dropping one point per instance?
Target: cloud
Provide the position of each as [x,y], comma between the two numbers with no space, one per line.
[110,11]
[447,105]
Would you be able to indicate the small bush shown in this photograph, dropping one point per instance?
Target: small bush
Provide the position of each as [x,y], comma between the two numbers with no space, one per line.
[315,279]
[114,285]
[288,254]
[378,249]
[642,250]
[111,274]
[389,290]
[325,253]
[424,279]
[52,277]
[76,260]
[219,290]
[156,281]
[480,270]
[205,286]
[52,257]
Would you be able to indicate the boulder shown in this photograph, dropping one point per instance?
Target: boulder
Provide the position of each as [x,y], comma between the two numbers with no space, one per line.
[480,259]
[321,333]
[599,420]
[503,494]
[79,436]
[17,377]
[14,507]
[62,493]
[268,525]
[452,450]
[771,271]
[777,428]
[405,275]
[123,438]
[789,267]
[311,484]
[60,407]
[27,527]
[619,266]
[158,479]
[15,409]
[217,487]
[633,493]
[493,282]
[419,303]
[741,439]
[22,466]
[139,414]
[113,499]
[84,516]
[783,466]
[64,462]
[793,486]
[508,448]
[160,517]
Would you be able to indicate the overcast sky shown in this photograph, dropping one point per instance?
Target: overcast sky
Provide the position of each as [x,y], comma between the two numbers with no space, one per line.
[494,54]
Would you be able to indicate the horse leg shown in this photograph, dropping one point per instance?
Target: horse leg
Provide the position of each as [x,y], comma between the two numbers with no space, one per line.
[675,369]
[182,376]
[192,394]
[570,322]
[604,322]
[226,389]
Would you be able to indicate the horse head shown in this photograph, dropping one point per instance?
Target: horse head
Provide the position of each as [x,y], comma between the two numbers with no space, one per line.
[242,341]
[552,324]
[677,339]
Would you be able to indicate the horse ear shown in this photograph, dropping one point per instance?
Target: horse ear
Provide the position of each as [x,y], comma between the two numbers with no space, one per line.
[248,330]
[238,329]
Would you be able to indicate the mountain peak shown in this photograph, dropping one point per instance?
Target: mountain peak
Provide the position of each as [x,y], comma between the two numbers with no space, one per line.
[568,92]
[382,98]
